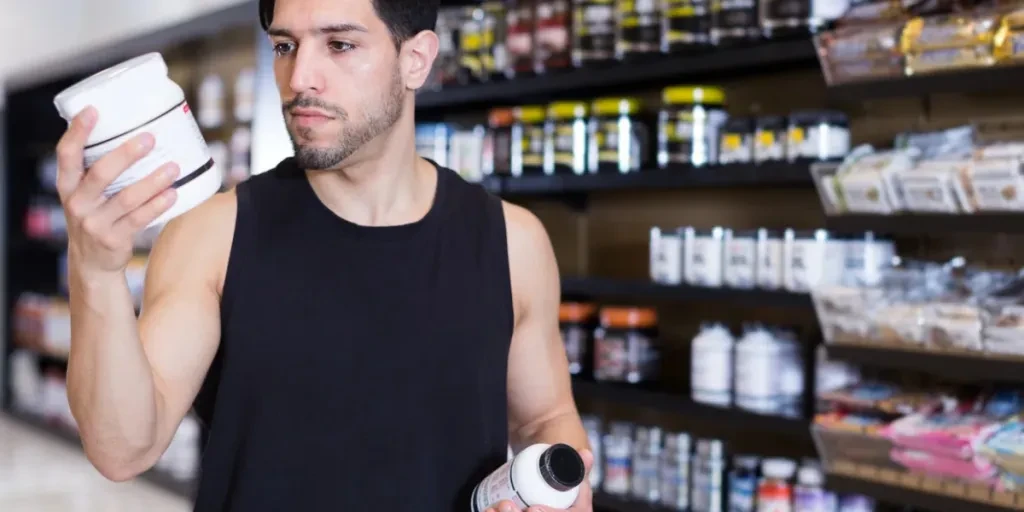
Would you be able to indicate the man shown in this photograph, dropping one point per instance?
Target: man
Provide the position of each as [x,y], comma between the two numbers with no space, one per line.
[361,329]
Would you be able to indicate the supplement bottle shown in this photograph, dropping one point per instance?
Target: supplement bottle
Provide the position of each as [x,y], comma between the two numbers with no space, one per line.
[705,256]
[542,474]
[686,26]
[497,158]
[618,446]
[712,360]
[577,321]
[625,345]
[675,471]
[774,492]
[689,124]
[646,457]
[592,424]
[758,386]
[471,45]
[565,138]
[617,136]
[593,32]
[734,22]
[770,259]
[770,139]
[743,484]
[493,54]
[639,29]
[740,259]
[520,41]
[553,38]
[666,256]
[135,97]
[737,146]
[528,140]
[706,494]
[809,495]
[817,135]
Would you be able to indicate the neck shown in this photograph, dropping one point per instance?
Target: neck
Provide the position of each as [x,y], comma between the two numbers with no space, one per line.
[383,184]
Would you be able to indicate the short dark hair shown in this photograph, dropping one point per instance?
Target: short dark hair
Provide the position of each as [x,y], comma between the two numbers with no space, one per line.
[404,18]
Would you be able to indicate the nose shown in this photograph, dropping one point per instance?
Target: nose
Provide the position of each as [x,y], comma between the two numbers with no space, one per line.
[306,75]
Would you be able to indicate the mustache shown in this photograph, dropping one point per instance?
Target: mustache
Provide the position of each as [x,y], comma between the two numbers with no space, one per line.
[311,102]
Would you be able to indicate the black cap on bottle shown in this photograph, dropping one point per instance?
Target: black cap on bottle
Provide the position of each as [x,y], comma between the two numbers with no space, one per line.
[562,467]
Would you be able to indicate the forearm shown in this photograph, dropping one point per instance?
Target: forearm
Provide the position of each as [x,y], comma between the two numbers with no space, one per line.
[110,382]
[564,427]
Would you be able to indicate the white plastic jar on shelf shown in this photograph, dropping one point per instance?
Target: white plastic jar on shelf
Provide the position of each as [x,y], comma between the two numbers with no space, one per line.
[134,97]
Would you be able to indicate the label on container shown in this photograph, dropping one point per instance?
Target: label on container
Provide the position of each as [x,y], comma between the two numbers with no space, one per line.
[818,142]
[768,146]
[704,265]
[810,499]
[178,140]
[616,474]
[740,262]
[533,146]
[691,136]
[688,21]
[675,483]
[564,143]
[667,259]
[594,24]
[496,487]
[770,264]
[640,26]
[742,491]
[711,374]
[734,19]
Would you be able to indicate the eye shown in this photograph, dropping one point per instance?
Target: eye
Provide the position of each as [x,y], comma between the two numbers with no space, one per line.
[283,48]
[340,46]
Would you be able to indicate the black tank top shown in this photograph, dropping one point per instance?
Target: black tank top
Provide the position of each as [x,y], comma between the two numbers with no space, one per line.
[360,368]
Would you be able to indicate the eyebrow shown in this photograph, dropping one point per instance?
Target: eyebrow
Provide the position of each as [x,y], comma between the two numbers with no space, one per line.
[326,29]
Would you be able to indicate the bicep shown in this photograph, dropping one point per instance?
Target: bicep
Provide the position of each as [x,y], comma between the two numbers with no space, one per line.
[538,373]
[179,324]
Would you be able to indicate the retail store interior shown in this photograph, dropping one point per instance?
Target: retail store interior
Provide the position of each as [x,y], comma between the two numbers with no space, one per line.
[787,234]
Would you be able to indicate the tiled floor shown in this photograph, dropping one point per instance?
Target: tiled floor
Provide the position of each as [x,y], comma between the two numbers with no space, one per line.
[41,474]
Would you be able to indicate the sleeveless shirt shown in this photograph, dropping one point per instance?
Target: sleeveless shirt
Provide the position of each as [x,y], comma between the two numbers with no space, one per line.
[360,368]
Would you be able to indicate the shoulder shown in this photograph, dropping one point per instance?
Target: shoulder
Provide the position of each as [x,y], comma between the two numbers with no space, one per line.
[198,242]
[533,270]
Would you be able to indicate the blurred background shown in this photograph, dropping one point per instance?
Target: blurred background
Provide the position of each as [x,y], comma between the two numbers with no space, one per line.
[789,233]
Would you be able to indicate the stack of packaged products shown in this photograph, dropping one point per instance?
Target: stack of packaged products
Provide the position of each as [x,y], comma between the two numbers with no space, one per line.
[928,306]
[623,135]
[962,170]
[956,433]
[503,40]
[789,259]
[677,472]
[880,39]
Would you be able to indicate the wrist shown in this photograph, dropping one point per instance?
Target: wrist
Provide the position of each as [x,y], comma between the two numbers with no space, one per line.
[92,279]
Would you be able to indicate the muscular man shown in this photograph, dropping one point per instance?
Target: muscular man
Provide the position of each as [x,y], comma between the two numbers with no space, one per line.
[361,329]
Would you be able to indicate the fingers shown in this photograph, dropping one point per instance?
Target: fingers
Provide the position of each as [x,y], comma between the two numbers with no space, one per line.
[139,218]
[70,149]
[505,506]
[588,459]
[108,168]
[137,194]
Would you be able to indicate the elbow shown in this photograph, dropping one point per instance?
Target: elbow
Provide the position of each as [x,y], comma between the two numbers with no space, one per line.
[119,467]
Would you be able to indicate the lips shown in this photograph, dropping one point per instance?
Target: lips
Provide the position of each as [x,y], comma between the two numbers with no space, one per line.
[309,113]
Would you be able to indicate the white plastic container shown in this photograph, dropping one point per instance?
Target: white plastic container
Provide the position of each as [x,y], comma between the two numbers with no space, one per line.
[769,374]
[542,474]
[134,97]
[712,362]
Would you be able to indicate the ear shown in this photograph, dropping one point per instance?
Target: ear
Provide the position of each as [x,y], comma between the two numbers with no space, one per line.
[417,58]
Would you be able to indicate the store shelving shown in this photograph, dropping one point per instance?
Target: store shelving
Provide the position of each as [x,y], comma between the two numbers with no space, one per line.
[774,174]
[934,224]
[973,81]
[640,291]
[959,365]
[155,476]
[681,69]
[613,503]
[940,499]
[769,426]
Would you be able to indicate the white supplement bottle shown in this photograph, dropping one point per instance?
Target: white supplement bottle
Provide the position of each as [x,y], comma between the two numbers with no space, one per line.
[134,97]
[711,366]
[542,474]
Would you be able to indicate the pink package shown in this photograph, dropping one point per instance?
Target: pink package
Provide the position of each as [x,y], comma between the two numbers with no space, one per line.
[976,468]
[954,435]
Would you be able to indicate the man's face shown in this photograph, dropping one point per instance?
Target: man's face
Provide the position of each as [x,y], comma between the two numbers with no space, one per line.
[339,75]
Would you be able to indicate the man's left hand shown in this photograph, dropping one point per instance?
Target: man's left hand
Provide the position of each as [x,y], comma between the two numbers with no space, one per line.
[584,503]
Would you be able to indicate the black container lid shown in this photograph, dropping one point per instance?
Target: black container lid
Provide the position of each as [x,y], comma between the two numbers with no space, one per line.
[812,117]
[562,467]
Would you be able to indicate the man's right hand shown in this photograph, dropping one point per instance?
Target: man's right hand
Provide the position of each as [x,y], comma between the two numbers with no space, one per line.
[101,230]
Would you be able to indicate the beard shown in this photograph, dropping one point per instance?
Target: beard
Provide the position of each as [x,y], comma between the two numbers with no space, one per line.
[353,135]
